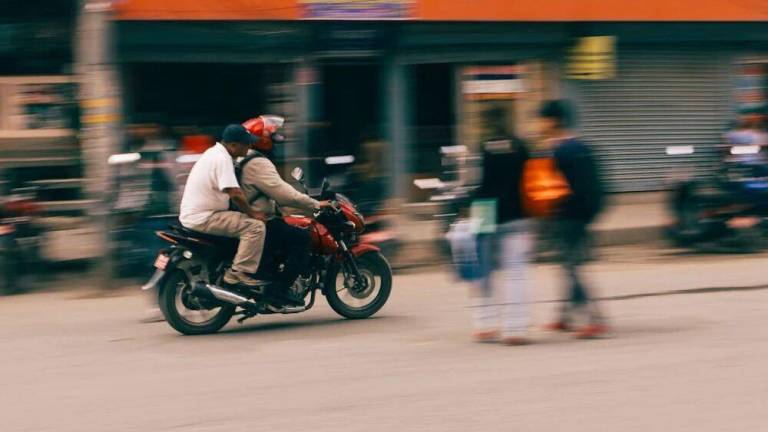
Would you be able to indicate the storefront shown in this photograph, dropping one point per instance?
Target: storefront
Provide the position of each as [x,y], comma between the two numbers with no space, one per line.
[340,84]
[39,112]
[397,72]
[675,86]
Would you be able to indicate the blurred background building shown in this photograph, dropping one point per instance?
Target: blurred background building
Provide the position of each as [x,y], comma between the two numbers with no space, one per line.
[411,75]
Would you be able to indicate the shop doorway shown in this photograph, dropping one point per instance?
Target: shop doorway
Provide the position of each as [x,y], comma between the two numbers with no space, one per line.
[434,117]
[350,123]
[203,95]
[351,108]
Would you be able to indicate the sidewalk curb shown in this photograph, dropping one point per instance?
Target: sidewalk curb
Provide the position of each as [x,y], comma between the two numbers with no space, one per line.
[683,291]
[629,236]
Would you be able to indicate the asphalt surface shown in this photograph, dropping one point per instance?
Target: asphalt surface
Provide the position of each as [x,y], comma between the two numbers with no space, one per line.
[74,361]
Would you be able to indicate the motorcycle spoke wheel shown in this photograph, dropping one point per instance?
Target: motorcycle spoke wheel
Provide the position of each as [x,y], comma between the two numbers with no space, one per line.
[361,295]
[185,313]
[190,312]
[360,299]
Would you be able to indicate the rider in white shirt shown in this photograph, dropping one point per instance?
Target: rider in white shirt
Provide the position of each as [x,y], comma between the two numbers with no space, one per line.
[205,204]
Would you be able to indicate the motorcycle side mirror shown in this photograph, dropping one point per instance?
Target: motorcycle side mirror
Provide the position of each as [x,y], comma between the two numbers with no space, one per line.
[324,188]
[298,174]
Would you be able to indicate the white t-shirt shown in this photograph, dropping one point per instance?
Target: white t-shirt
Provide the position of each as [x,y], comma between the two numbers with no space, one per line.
[204,193]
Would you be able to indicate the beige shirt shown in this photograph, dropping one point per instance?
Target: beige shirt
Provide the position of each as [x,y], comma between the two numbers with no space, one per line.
[261,180]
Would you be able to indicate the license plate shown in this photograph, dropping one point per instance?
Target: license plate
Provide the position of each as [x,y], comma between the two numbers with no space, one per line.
[161,262]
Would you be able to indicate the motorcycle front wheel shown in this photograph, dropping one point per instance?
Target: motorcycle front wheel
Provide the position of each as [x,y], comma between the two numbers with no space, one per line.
[184,313]
[362,299]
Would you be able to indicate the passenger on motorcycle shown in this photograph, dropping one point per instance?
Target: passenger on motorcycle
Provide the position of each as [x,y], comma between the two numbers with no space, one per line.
[265,191]
[211,185]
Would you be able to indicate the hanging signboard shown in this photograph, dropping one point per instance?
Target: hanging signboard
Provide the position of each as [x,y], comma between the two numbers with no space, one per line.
[492,82]
[356,9]
[592,58]
[752,85]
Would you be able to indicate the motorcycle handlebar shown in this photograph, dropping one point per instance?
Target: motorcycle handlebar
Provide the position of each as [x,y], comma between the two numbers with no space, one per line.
[335,208]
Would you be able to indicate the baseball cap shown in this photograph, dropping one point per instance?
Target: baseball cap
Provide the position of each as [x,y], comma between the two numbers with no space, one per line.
[239,134]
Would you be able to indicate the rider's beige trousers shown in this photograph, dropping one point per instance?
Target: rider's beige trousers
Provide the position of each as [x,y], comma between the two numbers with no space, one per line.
[250,231]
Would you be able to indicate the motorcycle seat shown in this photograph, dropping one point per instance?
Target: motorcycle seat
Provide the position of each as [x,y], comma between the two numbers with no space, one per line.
[210,238]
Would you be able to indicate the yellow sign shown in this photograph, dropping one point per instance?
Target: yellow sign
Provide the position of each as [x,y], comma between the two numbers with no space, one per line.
[98,103]
[100,118]
[593,58]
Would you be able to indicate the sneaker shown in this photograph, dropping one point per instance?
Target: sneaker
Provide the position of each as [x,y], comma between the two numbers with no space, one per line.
[515,340]
[235,277]
[557,326]
[591,331]
[485,336]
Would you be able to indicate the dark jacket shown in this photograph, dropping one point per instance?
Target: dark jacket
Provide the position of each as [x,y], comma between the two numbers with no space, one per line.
[503,162]
[577,163]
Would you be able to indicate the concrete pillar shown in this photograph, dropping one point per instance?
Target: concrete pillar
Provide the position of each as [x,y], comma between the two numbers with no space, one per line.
[100,112]
[306,79]
[397,99]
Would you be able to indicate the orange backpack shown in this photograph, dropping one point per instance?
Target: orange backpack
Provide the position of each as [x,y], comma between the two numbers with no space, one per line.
[543,186]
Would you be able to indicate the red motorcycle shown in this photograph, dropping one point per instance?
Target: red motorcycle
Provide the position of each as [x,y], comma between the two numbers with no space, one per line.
[354,276]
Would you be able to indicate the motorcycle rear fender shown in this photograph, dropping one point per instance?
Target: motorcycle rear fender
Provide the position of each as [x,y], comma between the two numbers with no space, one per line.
[362,248]
[159,277]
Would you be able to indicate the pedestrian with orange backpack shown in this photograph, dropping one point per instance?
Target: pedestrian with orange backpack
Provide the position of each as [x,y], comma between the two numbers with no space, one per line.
[573,214]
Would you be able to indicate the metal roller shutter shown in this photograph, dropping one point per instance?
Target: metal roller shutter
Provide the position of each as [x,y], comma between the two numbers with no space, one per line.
[657,99]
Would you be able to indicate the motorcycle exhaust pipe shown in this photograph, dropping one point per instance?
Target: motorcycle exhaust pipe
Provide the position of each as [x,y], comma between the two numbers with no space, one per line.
[214,292]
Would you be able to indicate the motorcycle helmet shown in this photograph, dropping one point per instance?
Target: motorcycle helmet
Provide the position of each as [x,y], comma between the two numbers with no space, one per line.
[265,127]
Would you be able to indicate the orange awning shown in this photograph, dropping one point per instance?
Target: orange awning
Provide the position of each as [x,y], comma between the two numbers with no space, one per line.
[461,10]
[231,10]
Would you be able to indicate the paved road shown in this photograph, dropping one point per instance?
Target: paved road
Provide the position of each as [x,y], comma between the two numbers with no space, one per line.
[695,362]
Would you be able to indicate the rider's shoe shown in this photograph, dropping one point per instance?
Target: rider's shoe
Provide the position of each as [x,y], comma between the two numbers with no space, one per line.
[234,277]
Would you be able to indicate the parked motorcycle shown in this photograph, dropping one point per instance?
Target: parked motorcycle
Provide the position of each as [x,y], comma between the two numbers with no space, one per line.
[354,276]
[368,197]
[729,209]
[20,238]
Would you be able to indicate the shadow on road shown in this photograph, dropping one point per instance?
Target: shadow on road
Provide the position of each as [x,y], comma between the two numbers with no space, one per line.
[365,325]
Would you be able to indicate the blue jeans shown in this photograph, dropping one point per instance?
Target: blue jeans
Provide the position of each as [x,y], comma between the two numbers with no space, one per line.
[504,294]
[574,252]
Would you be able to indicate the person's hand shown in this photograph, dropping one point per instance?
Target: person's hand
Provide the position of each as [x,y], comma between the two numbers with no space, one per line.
[327,204]
[258,215]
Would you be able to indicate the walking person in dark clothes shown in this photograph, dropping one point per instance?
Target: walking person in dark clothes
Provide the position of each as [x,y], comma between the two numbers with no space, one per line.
[575,213]
[503,299]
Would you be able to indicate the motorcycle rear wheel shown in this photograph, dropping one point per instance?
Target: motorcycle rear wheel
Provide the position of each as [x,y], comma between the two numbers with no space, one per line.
[358,304]
[172,293]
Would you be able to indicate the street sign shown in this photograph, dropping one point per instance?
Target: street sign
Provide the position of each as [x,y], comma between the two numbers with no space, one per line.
[492,82]
[592,58]
[356,9]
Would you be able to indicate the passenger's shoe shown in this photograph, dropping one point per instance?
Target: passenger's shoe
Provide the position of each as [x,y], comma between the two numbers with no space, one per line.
[485,336]
[592,331]
[234,277]
[558,326]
